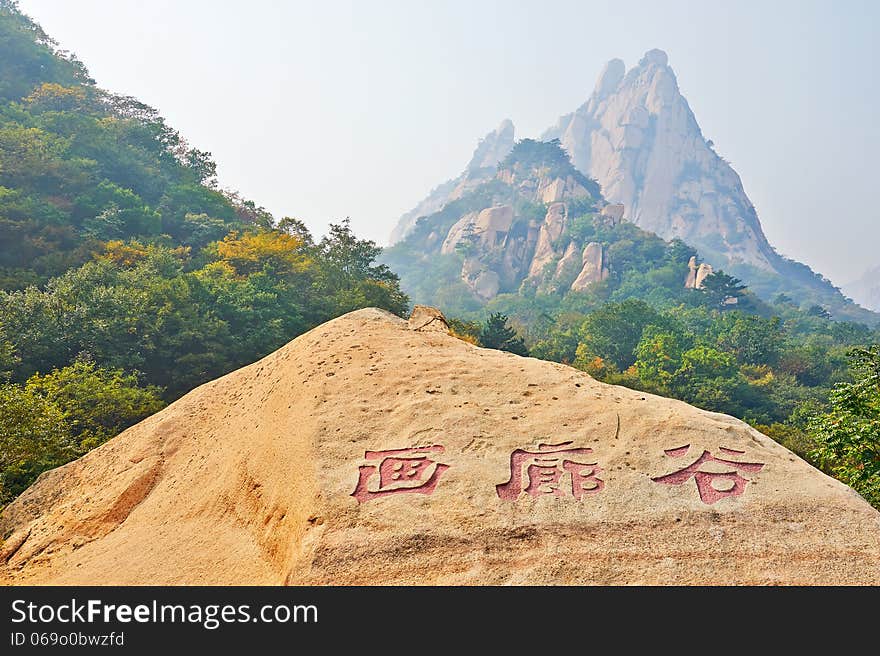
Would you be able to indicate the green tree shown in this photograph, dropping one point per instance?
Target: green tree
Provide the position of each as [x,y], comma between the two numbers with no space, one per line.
[497,334]
[29,56]
[95,403]
[754,340]
[613,331]
[818,311]
[468,331]
[659,356]
[847,436]
[351,278]
[33,438]
[720,288]
[560,340]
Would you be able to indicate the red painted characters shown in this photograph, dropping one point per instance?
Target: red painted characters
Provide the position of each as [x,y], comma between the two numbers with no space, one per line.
[401,471]
[711,485]
[541,472]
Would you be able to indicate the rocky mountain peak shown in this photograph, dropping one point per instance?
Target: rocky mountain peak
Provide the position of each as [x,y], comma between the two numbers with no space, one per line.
[518,236]
[490,150]
[637,136]
[611,76]
[654,57]
[494,147]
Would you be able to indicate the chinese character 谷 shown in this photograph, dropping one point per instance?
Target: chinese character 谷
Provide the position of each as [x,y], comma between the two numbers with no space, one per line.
[712,485]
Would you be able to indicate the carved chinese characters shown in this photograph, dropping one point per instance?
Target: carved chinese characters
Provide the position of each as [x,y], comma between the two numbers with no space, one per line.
[541,472]
[400,471]
[711,485]
[558,470]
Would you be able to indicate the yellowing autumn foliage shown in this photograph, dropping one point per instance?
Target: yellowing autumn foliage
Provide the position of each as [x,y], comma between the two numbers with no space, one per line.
[252,251]
[56,97]
[128,254]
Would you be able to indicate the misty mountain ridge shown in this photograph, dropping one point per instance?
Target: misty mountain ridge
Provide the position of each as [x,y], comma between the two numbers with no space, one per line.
[637,137]
[866,290]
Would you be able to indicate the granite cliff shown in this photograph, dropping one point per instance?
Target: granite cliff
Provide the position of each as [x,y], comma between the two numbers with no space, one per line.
[509,223]
[637,136]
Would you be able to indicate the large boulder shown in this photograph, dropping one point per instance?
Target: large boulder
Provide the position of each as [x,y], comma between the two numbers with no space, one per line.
[372,451]
[493,223]
[569,264]
[594,269]
[457,232]
[613,213]
[697,274]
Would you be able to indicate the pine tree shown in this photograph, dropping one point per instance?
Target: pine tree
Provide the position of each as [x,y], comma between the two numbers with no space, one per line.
[720,288]
[497,334]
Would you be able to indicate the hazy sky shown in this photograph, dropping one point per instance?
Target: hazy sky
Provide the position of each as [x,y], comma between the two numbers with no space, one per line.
[322,110]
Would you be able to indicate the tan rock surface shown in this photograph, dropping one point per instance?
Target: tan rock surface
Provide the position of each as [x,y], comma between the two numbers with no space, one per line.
[250,479]
[594,268]
[551,230]
[493,223]
[613,213]
[457,232]
[697,274]
[703,272]
[569,264]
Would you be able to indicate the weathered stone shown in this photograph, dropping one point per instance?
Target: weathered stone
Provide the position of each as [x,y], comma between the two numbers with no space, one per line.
[282,473]
[493,223]
[494,147]
[703,272]
[569,264]
[551,230]
[594,269]
[426,318]
[457,232]
[613,213]
[553,192]
[486,284]
[690,281]
[515,262]
[609,78]
[470,268]
[697,274]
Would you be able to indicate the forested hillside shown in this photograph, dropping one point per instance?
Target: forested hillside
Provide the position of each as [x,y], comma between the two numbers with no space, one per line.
[779,365]
[127,277]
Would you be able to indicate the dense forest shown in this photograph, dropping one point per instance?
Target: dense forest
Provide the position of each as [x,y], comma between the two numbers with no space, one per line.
[127,277]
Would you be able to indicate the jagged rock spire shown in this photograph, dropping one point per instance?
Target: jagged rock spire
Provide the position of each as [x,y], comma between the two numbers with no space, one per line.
[491,149]
[494,147]
[639,138]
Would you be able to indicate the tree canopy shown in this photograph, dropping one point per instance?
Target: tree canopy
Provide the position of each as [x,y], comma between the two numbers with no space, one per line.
[127,276]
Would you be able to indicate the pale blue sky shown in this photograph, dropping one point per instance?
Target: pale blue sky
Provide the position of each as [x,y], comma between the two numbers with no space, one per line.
[323,110]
